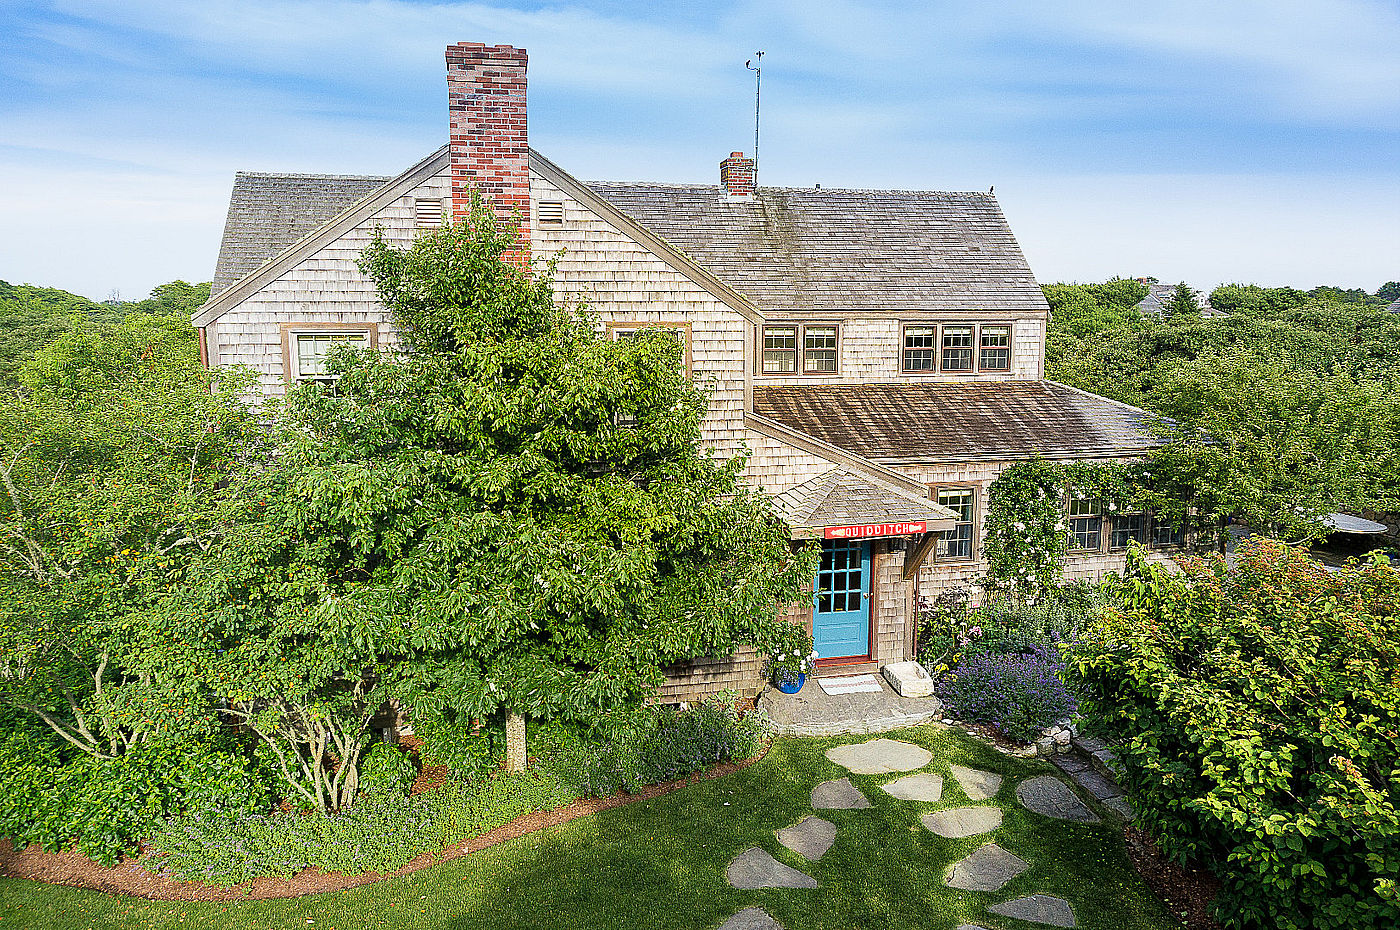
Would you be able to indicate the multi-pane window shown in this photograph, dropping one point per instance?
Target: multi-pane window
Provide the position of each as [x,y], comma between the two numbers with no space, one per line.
[957,348]
[920,348]
[995,349]
[1166,535]
[811,350]
[312,349]
[957,542]
[1127,528]
[819,349]
[1085,524]
[779,350]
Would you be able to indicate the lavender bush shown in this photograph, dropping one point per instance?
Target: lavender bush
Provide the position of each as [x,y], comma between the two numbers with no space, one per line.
[1019,694]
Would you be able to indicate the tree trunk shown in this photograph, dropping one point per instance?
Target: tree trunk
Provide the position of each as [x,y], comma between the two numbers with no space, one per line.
[515,742]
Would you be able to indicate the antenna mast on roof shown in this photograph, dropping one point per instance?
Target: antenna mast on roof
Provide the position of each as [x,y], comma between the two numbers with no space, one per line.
[757,88]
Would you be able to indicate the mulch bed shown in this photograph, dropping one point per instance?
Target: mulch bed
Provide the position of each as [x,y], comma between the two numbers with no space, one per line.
[1186,892]
[129,877]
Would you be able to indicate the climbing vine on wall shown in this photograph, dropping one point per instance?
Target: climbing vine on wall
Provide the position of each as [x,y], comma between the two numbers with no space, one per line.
[1027,525]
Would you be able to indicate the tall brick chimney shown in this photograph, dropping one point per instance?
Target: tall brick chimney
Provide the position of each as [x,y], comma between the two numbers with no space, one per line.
[490,146]
[736,176]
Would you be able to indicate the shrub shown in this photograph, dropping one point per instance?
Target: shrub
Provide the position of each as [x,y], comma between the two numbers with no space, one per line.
[1018,694]
[386,769]
[949,629]
[104,807]
[381,832]
[661,744]
[1257,715]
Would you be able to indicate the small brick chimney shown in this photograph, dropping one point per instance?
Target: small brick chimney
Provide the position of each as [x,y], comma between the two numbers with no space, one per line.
[736,176]
[490,146]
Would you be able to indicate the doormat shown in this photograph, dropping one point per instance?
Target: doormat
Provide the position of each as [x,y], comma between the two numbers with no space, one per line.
[851,684]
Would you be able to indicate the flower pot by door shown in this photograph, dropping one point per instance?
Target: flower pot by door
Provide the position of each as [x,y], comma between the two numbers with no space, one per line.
[789,684]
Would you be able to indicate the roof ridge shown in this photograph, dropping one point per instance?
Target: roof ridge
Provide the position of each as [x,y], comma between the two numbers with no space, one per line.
[315,176]
[677,185]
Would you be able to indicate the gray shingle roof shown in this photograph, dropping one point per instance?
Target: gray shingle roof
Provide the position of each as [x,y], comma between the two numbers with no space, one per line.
[269,212]
[974,420]
[846,250]
[841,497]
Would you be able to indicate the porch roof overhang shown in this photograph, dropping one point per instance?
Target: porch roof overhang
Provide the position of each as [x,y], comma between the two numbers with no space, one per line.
[840,503]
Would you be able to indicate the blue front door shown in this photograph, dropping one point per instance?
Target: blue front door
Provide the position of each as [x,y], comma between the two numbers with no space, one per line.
[840,617]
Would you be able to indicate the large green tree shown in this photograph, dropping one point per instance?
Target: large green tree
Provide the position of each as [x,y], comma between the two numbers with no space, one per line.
[113,454]
[512,517]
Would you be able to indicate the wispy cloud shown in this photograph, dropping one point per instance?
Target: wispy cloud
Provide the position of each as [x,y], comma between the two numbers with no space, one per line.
[121,108]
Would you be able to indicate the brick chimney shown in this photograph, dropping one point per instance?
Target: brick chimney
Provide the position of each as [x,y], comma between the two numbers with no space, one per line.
[490,146]
[736,176]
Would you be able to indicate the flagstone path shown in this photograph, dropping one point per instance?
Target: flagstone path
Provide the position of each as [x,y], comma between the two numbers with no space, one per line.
[988,868]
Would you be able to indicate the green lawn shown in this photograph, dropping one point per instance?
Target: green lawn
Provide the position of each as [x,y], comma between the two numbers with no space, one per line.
[660,864]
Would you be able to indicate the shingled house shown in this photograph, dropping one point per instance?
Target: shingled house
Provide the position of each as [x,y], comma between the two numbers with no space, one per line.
[878,354]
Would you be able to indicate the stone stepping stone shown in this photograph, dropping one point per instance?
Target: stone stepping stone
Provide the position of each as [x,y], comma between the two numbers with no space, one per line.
[958,822]
[1094,783]
[880,757]
[969,927]
[1038,909]
[1121,807]
[1050,797]
[986,868]
[751,918]
[838,795]
[916,788]
[976,784]
[753,868]
[810,837]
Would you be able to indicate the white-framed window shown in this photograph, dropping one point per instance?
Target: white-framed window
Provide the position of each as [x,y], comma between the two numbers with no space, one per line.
[310,348]
[957,543]
[780,350]
[800,349]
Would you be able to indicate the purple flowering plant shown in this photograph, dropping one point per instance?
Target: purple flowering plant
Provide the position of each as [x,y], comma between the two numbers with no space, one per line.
[1019,694]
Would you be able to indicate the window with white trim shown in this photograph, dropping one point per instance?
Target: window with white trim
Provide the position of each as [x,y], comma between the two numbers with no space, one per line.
[779,350]
[309,351]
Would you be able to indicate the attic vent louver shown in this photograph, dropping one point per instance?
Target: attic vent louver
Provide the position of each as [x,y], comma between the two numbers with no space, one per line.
[427,212]
[550,213]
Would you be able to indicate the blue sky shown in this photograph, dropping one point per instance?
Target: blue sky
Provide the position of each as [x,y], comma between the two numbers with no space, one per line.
[1205,141]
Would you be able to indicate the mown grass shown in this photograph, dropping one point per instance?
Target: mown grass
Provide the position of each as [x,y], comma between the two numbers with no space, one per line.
[660,864]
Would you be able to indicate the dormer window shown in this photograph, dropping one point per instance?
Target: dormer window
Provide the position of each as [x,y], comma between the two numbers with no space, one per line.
[920,348]
[957,348]
[995,348]
[819,350]
[800,350]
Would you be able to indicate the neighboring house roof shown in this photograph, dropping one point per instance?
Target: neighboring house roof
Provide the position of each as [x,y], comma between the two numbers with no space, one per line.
[806,249]
[841,497]
[1394,306]
[269,212]
[1158,294]
[1348,523]
[971,420]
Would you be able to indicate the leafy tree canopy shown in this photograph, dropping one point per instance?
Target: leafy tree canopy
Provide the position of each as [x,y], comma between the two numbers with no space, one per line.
[513,515]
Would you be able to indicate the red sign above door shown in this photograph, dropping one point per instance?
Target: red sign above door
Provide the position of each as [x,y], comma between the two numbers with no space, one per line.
[869,530]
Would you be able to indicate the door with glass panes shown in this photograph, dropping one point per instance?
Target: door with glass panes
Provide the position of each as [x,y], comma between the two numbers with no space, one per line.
[841,601]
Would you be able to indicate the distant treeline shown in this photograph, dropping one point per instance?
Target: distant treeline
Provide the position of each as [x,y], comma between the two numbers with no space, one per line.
[32,317]
[1285,407]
